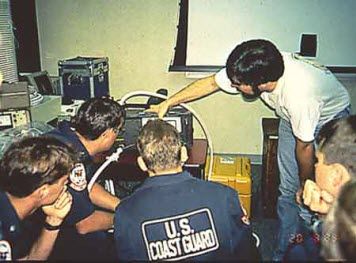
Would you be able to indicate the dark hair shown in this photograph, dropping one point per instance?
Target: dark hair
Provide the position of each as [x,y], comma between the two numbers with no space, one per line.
[33,162]
[255,62]
[159,145]
[96,115]
[337,141]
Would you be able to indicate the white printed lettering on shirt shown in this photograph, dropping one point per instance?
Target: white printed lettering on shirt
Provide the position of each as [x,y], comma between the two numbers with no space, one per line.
[177,237]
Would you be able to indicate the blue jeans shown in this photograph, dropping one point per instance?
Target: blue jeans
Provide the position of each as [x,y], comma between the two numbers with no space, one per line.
[289,212]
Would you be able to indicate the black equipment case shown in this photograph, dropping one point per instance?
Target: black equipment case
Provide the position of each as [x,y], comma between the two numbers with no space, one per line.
[84,77]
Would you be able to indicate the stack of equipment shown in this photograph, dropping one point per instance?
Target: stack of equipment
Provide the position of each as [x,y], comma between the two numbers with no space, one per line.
[14,105]
[136,118]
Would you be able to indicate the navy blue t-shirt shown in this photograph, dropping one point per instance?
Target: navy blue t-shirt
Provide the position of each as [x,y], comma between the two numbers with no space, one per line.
[179,217]
[70,245]
[10,223]
[82,206]
[19,234]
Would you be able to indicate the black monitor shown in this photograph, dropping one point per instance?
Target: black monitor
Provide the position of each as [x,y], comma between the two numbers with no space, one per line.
[40,81]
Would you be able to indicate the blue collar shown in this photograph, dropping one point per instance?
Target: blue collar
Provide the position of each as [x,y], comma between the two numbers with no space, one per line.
[68,134]
[165,179]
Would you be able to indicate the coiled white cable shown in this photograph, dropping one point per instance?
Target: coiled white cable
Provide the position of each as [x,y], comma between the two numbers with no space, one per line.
[129,95]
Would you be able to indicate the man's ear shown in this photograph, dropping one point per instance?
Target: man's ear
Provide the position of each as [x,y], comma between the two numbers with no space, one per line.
[104,136]
[340,175]
[141,164]
[183,154]
[105,133]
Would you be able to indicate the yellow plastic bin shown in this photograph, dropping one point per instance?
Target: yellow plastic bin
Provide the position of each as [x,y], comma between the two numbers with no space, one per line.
[234,172]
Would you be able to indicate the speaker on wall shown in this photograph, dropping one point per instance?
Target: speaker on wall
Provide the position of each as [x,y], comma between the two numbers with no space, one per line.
[308,45]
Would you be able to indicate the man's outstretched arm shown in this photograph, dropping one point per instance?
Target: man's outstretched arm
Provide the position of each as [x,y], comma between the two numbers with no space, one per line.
[102,198]
[193,91]
[98,221]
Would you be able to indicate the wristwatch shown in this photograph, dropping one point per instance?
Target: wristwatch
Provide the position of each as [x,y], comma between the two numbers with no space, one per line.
[315,223]
[50,227]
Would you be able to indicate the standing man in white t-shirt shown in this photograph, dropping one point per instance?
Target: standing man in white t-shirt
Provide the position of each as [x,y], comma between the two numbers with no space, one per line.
[304,95]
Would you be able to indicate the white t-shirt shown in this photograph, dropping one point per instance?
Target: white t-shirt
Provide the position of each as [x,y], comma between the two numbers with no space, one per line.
[307,94]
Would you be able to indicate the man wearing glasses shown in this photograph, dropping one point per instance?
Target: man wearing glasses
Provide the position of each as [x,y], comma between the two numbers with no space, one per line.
[92,131]
[304,95]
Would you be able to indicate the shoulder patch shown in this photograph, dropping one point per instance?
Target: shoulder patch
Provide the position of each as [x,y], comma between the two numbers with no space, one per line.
[77,177]
[5,250]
